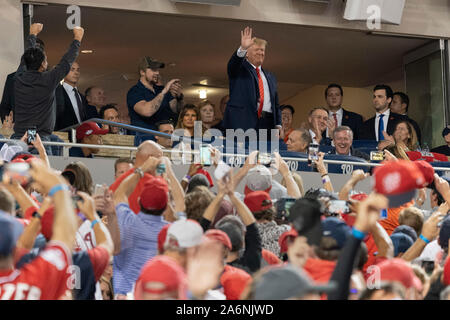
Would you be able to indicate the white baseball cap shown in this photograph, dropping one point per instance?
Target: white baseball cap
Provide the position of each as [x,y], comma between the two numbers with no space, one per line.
[184,233]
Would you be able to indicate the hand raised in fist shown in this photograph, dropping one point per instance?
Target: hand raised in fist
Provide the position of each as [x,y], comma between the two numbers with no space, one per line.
[78,33]
[36,28]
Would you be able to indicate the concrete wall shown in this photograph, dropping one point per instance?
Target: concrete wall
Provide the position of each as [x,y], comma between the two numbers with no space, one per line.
[11,35]
[420,17]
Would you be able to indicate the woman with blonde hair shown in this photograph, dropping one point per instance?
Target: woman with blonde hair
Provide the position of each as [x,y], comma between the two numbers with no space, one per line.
[403,139]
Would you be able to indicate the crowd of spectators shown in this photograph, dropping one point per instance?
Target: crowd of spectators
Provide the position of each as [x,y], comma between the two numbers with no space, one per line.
[151,236]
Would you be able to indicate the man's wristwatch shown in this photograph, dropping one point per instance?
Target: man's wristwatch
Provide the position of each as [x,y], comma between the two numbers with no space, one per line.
[139,172]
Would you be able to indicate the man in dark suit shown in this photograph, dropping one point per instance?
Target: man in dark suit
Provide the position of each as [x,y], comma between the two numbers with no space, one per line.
[343,140]
[253,100]
[400,105]
[70,103]
[334,96]
[373,128]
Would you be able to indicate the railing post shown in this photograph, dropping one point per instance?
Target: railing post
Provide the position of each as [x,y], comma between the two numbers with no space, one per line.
[74,135]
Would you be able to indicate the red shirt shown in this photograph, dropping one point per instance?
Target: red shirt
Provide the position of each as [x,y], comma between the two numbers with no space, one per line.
[319,270]
[134,196]
[45,278]
[287,135]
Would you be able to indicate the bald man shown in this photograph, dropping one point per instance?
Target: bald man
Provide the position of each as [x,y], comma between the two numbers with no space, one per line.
[145,150]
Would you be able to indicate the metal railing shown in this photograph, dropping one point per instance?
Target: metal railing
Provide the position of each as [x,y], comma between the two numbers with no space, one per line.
[124,126]
[67,145]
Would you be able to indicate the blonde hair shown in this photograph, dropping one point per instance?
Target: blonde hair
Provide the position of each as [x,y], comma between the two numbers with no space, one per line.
[261,42]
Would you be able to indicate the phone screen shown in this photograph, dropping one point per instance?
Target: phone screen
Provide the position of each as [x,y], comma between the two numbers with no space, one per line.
[338,206]
[264,159]
[288,204]
[31,135]
[376,155]
[205,155]
[99,189]
[313,152]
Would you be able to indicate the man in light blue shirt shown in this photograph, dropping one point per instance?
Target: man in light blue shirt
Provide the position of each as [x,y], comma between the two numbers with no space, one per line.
[138,232]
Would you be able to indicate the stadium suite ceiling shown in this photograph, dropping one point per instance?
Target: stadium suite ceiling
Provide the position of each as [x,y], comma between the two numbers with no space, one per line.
[200,48]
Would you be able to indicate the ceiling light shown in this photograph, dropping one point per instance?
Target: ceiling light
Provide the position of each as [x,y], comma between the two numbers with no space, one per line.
[202,93]
[87,51]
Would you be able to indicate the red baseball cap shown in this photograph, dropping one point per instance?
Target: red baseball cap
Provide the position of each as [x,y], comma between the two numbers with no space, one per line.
[359,196]
[234,281]
[398,181]
[161,275]
[427,172]
[399,270]
[23,157]
[155,194]
[207,175]
[162,237]
[219,235]
[254,201]
[283,240]
[89,128]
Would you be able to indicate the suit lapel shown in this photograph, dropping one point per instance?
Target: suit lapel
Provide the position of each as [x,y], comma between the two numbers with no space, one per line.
[68,103]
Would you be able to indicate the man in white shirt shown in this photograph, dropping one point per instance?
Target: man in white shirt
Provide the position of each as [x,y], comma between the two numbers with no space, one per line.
[334,96]
[318,122]
[71,104]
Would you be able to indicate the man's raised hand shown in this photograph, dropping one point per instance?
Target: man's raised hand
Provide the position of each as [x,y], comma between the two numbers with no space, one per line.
[246,38]
[36,28]
[78,33]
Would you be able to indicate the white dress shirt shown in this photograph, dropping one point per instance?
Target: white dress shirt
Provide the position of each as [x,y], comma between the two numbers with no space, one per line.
[73,100]
[387,113]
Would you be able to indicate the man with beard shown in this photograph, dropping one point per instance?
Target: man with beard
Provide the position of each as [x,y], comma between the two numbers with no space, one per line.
[88,133]
[384,120]
[148,103]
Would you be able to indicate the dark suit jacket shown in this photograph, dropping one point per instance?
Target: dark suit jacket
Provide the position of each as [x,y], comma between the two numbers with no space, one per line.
[354,153]
[241,111]
[352,120]
[65,114]
[8,102]
[367,131]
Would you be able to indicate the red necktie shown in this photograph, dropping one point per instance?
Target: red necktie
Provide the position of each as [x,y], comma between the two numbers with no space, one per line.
[335,119]
[261,93]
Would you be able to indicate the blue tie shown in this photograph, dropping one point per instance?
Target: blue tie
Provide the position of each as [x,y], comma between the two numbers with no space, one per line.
[380,128]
